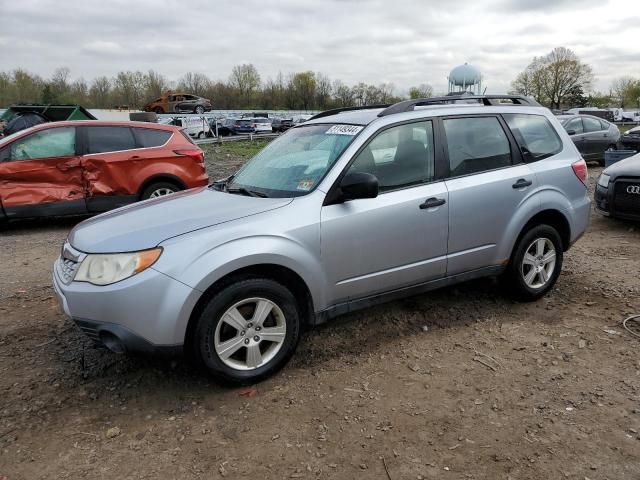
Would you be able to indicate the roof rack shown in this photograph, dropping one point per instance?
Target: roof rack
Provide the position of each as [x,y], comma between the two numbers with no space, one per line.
[347,109]
[487,100]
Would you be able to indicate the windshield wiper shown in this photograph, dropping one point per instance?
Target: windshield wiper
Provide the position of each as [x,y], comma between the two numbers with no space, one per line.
[246,191]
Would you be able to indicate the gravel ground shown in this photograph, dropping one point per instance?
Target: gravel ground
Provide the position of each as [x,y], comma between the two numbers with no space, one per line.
[461,383]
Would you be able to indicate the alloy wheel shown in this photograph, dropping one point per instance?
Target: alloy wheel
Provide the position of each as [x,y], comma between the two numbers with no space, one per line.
[538,263]
[161,192]
[250,334]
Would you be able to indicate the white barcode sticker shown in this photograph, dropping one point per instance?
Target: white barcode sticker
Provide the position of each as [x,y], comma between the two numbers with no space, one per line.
[344,130]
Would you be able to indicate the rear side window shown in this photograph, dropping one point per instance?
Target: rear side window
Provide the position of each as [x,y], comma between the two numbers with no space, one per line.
[148,137]
[604,124]
[109,139]
[535,135]
[591,124]
[53,142]
[476,144]
[187,137]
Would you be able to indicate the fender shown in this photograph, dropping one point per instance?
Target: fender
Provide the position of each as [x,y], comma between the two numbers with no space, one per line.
[207,267]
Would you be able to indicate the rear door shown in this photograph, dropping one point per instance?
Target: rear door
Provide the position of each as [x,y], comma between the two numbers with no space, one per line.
[41,175]
[109,161]
[595,137]
[486,184]
[577,136]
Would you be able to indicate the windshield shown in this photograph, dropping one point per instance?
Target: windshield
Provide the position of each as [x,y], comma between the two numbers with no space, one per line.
[293,164]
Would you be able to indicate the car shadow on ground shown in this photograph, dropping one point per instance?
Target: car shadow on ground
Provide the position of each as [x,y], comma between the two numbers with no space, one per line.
[29,225]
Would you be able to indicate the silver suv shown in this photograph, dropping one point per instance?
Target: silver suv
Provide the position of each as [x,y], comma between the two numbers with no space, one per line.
[352,208]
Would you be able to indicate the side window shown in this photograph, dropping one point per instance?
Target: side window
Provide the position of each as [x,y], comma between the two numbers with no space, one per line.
[54,142]
[591,124]
[399,156]
[148,137]
[109,139]
[535,134]
[476,144]
[575,125]
[604,124]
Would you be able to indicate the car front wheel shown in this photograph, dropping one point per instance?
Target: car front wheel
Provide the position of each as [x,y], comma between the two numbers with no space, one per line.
[247,331]
[199,109]
[535,264]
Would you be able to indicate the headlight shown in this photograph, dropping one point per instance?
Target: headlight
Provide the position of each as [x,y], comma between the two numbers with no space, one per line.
[603,181]
[103,269]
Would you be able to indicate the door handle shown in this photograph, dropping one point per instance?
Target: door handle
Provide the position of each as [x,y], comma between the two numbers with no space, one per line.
[522,183]
[432,203]
[134,157]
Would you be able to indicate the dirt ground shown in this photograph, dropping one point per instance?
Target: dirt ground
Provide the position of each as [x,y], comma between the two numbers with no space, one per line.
[461,383]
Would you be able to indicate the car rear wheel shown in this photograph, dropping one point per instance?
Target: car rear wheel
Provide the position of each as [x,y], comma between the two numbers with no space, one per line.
[159,189]
[199,109]
[247,331]
[535,264]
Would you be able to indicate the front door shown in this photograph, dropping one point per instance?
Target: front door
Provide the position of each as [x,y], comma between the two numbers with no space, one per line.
[398,239]
[41,175]
[486,187]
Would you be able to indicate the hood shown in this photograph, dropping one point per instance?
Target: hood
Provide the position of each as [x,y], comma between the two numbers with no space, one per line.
[144,225]
[629,166]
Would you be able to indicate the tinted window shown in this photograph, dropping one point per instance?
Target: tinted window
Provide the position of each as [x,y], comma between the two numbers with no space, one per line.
[399,156]
[575,125]
[54,142]
[109,139]
[244,123]
[148,137]
[535,133]
[591,124]
[476,145]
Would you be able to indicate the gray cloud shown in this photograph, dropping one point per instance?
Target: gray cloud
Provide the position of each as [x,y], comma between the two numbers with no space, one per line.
[404,42]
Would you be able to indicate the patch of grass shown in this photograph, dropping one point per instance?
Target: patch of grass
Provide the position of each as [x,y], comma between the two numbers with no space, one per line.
[626,128]
[243,148]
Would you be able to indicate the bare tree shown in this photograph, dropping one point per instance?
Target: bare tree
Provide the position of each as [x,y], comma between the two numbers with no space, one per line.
[156,84]
[552,79]
[343,94]
[195,83]
[323,90]
[421,91]
[246,79]
[100,92]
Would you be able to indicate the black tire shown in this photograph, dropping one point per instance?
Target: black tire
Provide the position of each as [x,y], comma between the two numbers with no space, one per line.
[147,192]
[203,340]
[199,110]
[514,277]
[200,135]
[158,110]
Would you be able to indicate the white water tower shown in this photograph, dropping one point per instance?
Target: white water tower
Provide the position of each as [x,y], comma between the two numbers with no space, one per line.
[465,78]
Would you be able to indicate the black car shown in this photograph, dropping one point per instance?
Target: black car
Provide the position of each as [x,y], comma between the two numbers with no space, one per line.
[631,139]
[591,135]
[618,190]
[225,126]
[281,124]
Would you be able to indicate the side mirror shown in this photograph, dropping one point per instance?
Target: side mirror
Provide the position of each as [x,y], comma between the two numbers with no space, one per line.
[571,132]
[357,185]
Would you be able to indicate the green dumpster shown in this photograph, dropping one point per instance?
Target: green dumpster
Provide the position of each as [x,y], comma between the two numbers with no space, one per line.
[53,113]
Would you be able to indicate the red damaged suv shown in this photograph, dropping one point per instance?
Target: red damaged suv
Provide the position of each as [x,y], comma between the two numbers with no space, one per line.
[85,167]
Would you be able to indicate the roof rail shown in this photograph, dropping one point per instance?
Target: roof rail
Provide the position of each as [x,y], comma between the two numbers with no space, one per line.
[347,109]
[487,100]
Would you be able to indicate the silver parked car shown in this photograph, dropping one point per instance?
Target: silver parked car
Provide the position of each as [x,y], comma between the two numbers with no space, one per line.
[353,208]
[591,135]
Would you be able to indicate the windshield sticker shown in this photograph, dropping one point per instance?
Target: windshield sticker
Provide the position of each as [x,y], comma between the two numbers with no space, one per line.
[344,130]
[305,185]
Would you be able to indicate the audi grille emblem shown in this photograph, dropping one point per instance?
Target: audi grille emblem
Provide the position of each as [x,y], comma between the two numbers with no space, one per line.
[633,189]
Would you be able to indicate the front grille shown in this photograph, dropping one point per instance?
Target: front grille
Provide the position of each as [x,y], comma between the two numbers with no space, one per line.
[624,201]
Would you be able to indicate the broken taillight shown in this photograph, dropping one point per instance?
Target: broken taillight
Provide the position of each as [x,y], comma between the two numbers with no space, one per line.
[195,153]
[580,169]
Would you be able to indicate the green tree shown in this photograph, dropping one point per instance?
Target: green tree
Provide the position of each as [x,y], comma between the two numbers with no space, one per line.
[421,91]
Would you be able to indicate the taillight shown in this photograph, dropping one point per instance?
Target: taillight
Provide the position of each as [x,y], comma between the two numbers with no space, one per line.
[580,169]
[253,125]
[195,153]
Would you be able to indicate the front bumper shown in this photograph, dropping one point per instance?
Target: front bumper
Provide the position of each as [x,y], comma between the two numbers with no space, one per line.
[613,202]
[148,312]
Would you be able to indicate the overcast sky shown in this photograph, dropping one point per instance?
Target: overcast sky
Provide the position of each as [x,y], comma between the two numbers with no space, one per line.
[406,42]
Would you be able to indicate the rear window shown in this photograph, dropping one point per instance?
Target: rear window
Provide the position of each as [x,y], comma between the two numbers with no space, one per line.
[109,139]
[148,137]
[244,122]
[534,134]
